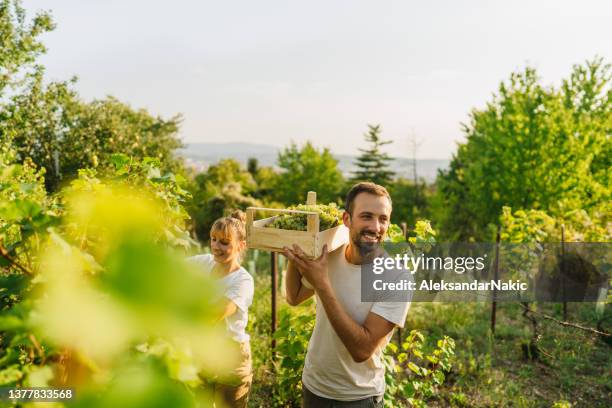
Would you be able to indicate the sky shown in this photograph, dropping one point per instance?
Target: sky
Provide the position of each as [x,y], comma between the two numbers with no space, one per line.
[272,72]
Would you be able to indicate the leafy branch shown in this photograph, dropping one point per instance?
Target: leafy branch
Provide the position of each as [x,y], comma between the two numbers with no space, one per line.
[5,254]
[566,324]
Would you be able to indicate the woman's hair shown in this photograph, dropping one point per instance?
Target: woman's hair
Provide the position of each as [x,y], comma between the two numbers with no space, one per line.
[233,226]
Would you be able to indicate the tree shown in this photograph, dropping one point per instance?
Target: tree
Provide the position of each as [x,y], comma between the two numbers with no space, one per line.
[253,165]
[452,195]
[229,198]
[532,147]
[410,201]
[373,164]
[307,169]
[20,43]
[222,173]
[223,187]
[61,133]
[51,125]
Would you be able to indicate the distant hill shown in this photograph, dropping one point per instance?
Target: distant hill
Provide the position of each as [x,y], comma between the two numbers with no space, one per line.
[202,155]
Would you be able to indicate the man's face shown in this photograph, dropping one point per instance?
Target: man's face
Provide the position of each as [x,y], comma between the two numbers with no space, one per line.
[369,222]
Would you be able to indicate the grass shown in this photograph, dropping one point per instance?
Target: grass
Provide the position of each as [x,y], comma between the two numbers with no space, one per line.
[489,371]
[492,371]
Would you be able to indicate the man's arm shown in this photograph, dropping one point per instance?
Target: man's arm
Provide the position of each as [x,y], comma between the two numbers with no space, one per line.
[360,340]
[296,291]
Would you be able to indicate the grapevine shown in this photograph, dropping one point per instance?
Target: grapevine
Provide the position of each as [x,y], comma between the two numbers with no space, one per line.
[329,216]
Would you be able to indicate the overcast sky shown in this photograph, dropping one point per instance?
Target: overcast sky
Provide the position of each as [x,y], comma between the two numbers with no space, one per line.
[275,71]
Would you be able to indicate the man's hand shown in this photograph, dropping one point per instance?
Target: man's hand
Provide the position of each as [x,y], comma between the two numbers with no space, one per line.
[360,340]
[314,270]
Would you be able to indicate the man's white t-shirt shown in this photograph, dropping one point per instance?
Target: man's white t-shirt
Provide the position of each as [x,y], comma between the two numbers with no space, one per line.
[329,370]
[238,287]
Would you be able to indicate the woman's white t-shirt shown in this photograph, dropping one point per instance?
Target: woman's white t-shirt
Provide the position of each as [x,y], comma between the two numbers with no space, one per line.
[238,287]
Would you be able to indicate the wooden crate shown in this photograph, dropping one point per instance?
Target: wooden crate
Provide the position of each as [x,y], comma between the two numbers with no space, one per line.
[311,241]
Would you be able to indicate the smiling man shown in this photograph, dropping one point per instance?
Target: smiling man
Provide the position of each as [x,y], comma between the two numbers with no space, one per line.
[344,358]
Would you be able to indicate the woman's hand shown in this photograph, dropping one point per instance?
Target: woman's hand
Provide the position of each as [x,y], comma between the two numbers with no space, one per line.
[228,309]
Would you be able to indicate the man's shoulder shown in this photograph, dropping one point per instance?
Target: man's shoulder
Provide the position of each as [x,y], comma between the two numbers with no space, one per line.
[338,251]
[337,255]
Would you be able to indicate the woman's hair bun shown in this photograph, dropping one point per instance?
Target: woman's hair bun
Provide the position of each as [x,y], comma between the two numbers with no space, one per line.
[239,215]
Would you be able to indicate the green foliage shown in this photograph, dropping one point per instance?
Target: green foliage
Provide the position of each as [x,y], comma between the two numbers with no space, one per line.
[490,372]
[20,41]
[266,179]
[537,226]
[223,187]
[252,165]
[329,216]
[421,238]
[110,274]
[395,235]
[59,132]
[410,200]
[221,174]
[412,374]
[25,210]
[527,226]
[531,147]
[373,164]
[423,234]
[307,169]
[294,330]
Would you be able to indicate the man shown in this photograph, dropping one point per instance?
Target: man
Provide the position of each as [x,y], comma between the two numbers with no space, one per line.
[344,358]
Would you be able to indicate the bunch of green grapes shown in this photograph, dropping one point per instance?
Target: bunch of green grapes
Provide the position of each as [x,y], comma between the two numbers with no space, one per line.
[329,216]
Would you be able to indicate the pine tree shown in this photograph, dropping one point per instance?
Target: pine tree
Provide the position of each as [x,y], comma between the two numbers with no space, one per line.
[253,166]
[373,164]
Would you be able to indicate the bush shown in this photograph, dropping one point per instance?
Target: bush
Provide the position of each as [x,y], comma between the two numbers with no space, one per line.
[412,375]
[294,330]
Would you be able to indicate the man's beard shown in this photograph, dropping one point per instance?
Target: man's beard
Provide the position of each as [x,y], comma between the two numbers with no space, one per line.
[366,249]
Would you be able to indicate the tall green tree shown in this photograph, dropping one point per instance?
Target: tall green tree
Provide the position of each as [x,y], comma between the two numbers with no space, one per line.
[307,169]
[253,165]
[20,43]
[531,147]
[410,201]
[373,163]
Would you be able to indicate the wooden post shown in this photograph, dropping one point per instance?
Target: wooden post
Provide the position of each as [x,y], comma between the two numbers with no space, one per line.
[312,220]
[311,198]
[563,272]
[274,269]
[250,216]
[495,277]
[312,223]
[404,227]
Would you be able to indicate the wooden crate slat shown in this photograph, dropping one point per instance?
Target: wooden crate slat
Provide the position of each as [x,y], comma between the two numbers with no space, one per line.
[283,210]
[276,239]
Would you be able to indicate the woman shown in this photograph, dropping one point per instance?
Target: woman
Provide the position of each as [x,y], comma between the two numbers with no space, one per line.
[227,243]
